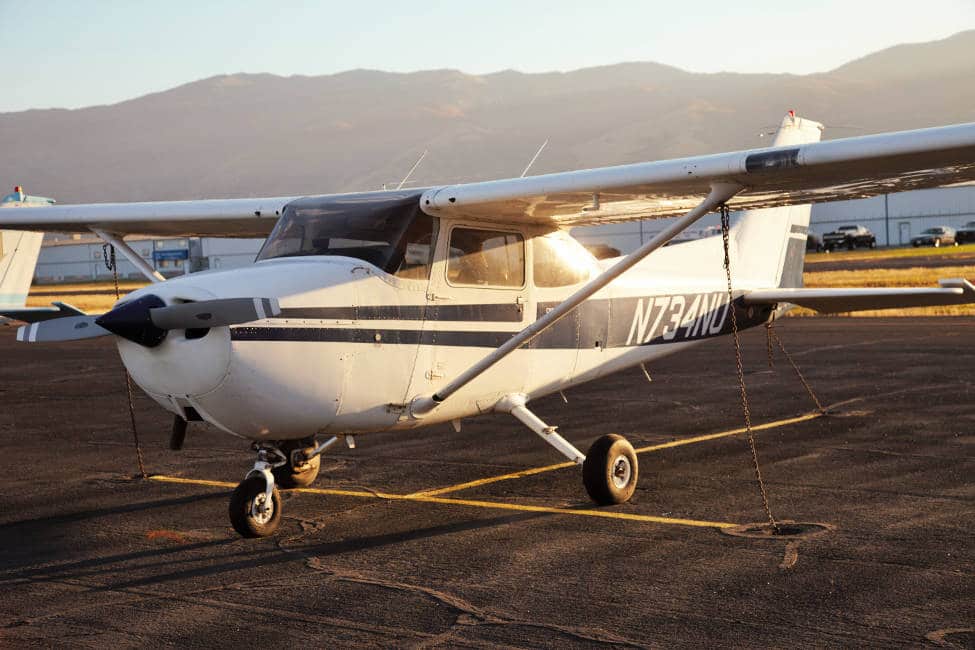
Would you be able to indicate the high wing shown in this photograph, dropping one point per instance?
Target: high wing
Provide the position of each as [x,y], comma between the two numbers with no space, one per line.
[955,291]
[842,169]
[774,176]
[210,217]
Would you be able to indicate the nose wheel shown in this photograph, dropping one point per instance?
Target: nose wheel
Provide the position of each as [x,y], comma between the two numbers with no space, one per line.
[255,505]
[252,513]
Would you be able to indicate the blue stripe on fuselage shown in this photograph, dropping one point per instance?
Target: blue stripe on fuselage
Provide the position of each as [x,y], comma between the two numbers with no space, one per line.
[607,323]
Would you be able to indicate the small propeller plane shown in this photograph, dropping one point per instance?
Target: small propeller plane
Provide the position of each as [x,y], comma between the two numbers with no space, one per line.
[400,309]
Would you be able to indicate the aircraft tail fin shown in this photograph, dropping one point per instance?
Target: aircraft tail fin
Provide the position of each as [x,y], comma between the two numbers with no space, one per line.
[19,251]
[18,258]
[771,243]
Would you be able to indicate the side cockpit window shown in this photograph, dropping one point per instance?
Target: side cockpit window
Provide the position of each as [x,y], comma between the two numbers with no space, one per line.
[486,258]
[415,254]
[559,261]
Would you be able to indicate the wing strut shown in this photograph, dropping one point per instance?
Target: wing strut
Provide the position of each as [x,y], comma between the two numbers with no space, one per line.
[720,192]
[131,255]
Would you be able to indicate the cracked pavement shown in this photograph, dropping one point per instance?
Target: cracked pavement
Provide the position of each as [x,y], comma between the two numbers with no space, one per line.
[93,557]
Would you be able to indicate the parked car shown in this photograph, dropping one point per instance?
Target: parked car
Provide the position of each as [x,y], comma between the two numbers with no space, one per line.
[937,236]
[965,234]
[849,237]
[814,242]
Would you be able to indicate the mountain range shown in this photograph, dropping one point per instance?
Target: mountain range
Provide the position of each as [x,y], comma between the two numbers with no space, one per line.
[266,135]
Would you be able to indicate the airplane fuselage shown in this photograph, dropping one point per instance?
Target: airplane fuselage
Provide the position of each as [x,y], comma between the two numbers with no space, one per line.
[354,345]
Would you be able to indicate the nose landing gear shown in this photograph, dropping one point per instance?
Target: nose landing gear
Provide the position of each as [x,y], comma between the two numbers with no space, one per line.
[255,505]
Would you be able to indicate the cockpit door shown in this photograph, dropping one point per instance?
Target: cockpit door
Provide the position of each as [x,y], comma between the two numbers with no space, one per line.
[478,298]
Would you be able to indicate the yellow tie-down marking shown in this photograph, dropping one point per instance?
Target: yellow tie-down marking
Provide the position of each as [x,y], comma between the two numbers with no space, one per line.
[641,450]
[492,505]
[433,496]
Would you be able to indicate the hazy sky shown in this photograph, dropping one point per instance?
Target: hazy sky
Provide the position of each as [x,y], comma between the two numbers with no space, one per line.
[57,53]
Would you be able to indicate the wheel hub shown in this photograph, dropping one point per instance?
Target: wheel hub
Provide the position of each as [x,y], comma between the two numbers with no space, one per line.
[622,471]
[261,509]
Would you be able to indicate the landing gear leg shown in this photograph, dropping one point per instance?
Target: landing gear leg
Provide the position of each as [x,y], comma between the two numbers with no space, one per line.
[255,505]
[609,472]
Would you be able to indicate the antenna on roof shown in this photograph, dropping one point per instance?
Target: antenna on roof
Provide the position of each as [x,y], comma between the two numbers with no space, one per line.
[412,169]
[534,158]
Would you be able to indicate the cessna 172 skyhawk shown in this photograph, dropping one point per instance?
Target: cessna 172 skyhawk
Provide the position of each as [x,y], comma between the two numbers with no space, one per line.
[396,310]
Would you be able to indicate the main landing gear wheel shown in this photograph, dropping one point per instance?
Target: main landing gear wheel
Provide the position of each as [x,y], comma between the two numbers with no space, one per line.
[250,513]
[297,474]
[610,471]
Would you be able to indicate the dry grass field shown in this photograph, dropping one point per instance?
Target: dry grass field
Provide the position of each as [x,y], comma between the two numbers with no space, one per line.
[881,254]
[869,268]
[92,297]
[916,276]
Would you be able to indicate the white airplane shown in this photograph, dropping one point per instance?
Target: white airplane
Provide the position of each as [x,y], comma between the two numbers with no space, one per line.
[396,310]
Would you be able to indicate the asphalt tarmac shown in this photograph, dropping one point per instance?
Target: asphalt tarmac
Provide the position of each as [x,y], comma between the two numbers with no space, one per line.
[94,557]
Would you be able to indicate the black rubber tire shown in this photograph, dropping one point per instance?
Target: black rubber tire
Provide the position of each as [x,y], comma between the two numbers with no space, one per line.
[287,476]
[937,243]
[598,470]
[240,508]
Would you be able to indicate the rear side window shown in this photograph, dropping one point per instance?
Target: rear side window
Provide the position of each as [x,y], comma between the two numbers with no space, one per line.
[559,261]
[486,258]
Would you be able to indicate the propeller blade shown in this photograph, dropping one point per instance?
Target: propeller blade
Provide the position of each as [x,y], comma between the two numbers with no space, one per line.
[213,313]
[147,319]
[71,328]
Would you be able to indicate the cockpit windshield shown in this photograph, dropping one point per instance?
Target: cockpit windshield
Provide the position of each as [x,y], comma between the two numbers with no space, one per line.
[387,230]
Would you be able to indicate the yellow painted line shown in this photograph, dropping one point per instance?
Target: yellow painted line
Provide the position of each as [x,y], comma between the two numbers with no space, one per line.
[494,479]
[491,505]
[641,450]
[606,514]
[225,484]
[733,432]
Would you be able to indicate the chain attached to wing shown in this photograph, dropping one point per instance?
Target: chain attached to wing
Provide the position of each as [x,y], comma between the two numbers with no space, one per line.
[108,254]
[725,230]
